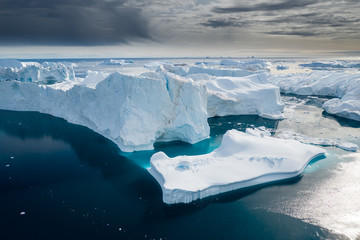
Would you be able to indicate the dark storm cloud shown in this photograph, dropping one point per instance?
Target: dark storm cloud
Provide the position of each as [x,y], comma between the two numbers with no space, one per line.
[70,22]
[293,33]
[221,23]
[285,5]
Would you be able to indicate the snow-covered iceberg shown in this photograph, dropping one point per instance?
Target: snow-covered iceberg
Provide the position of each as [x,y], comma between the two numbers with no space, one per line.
[10,63]
[45,73]
[348,106]
[234,91]
[342,85]
[242,160]
[252,95]
[133,112]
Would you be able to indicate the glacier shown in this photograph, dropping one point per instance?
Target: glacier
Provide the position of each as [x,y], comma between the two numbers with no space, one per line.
[242,160]
[344,86]
[132,111]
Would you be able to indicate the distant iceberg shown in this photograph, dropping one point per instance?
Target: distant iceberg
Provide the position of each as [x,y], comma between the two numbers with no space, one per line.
[116,62]
[242,160]
[45,73]
[254,65]
[323,65]
[10,63]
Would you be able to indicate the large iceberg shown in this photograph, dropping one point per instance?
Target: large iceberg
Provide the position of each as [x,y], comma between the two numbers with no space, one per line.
[234,92]
[348,106]
[342,85]
[241,161]
[133,112]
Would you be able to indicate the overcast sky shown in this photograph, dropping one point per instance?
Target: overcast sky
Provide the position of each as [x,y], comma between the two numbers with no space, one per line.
[145,28]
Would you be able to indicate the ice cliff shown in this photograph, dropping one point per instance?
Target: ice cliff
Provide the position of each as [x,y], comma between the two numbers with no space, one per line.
[131,111]
[234,91]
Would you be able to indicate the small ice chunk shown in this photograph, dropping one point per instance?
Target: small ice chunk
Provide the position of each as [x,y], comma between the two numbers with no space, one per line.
[22,213]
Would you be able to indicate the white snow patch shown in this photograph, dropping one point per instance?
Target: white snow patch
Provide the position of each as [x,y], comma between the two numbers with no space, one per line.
[242,160]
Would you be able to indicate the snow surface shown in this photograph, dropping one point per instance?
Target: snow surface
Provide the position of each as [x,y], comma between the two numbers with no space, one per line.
[342,85]
[234,91]
[131,111]
[242,160]
[288,134]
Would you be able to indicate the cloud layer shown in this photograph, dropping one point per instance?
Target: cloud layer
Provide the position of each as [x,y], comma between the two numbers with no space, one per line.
[70,22]
[332,24]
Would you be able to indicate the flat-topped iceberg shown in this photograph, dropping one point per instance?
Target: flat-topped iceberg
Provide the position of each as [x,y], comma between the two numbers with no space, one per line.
[342,85]
[132,111]
[241,161]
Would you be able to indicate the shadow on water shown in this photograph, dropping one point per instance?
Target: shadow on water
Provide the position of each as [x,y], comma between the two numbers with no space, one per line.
[344,122]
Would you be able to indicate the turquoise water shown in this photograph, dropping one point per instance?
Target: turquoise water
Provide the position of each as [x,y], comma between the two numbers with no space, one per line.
[71,183]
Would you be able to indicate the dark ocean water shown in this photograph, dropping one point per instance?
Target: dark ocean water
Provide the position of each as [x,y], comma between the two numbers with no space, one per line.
[63,181]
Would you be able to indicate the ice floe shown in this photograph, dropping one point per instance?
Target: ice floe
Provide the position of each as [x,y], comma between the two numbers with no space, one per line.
[288,134]
[242,160]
